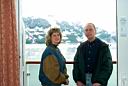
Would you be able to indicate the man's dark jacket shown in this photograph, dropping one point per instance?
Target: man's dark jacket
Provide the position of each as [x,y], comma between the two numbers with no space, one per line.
[103,68]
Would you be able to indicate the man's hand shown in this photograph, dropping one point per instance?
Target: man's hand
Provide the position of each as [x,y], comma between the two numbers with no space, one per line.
[79,83]
[96,84]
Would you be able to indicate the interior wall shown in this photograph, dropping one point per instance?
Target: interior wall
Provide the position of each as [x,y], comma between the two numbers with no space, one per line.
[122,22]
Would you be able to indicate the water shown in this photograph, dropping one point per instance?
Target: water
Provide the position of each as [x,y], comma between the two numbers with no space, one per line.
[34,51]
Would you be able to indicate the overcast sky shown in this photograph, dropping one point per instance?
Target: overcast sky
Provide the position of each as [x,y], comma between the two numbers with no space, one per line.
[101,12]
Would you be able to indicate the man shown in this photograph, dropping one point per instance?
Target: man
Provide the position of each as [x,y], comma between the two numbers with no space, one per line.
[93,62]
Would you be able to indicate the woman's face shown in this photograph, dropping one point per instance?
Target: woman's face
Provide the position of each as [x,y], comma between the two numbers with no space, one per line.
[55,38]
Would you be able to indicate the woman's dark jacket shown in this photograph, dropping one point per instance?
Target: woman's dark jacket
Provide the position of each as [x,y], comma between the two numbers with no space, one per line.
[103,68]
[53,70]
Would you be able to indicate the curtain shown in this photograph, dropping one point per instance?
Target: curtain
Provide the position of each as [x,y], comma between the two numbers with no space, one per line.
[9,60]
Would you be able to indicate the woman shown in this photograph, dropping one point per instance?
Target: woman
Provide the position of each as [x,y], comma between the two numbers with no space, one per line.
[52,68]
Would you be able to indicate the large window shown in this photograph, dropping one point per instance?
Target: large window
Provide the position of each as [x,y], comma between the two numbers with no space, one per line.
[71,16]
[37,16]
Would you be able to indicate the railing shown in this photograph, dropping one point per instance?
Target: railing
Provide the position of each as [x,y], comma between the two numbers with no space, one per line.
[67,62]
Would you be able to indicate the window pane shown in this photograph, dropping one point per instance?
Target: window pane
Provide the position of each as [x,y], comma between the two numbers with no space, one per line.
[70,15]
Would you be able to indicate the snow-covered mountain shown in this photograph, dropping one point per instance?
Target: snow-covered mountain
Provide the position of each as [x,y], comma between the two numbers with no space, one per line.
[36,30]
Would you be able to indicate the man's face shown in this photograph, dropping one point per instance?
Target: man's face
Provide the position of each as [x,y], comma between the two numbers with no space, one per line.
[90,31]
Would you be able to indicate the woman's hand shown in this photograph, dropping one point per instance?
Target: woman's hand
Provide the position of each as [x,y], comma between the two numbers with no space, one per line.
[67,82]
